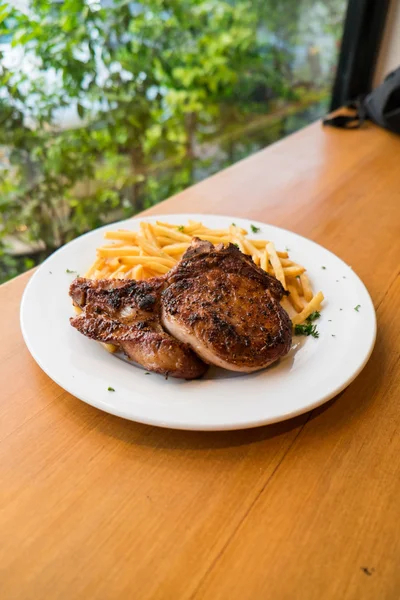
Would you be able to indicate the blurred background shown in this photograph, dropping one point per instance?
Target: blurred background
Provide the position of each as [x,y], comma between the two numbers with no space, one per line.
[108,107]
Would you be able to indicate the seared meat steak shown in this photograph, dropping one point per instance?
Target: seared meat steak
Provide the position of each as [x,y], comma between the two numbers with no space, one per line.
[127,314]
[226,308]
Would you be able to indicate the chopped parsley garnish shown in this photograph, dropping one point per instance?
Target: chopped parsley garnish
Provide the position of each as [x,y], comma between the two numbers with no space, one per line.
[314,315]
[323,268]
[357,308]
[237,246]
[69,271]
[110,389]
[287,249]
[234,224]
[254,229]
[306,329]
[181,228]
[147,373]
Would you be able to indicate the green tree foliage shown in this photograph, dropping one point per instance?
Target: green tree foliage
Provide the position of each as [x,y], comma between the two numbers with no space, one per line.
[150,82]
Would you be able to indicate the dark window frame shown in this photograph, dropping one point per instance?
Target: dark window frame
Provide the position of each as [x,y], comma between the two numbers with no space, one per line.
[362,36]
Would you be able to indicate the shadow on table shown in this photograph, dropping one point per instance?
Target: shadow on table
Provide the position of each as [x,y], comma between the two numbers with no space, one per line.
[137,433]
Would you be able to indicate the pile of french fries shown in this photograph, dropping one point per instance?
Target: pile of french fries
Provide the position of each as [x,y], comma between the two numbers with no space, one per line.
[157,247]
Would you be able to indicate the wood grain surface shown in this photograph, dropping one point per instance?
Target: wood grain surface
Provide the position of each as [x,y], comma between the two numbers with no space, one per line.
[95,507]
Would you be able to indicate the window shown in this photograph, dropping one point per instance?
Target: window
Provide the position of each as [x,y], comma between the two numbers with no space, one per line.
[108,107]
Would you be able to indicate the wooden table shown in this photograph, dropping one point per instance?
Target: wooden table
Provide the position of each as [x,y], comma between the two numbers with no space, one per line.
[94,507]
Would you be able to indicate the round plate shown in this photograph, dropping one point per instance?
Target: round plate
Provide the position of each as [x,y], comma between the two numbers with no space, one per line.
[314,371]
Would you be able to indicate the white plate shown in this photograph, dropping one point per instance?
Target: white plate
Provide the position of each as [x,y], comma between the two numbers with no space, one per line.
[314,371]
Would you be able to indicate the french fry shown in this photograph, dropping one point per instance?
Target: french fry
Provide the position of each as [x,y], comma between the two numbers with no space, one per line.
[103,273]
[174,249]
[234,229]
[147,260]
[261,244]
[173,234]
[193,226]
[188,229]
[113,263]
[286,262]
[167,225]
[150,235]
[125,236]
[313,305]
[116,244]
[157,267]
[251,249]
[238,242]
[163,240]
[148,248]
[276,264]
[294,271]
[298,286]
[294,298]
[109,347]
[264,261]
[137,272]
[307,291]
[107,251]
[213,239]
[218,232]
[120,272]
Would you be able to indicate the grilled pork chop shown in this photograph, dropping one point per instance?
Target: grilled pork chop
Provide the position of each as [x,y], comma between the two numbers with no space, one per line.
[127,314]
[226,308]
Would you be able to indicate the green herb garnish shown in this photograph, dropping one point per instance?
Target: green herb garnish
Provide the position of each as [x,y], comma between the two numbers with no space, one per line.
[323,268]
[234,224]
[254,229]
[110,389]
[306,329]
[237,245]
[357,308]
[181,228]
[69,271]
[287,249]
[314,315]
[147,373]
